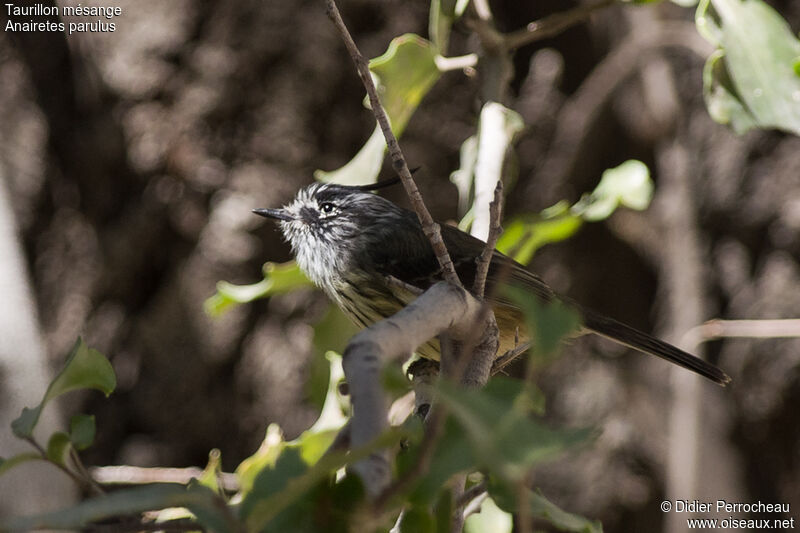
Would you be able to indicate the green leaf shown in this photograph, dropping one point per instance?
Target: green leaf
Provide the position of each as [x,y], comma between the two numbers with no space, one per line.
[627,185]
[210,509]
[497,424]
[417,519]
[453,454]
[270,484]
[364,167]
[331,335]
[315,440]
[211,473]
[524,235]
[441,17]
[279,492]
[462,178]
[278,278]
[404,74]
[24,424]
[123,502]
[11,462]
[506,498]
[482,160]
[58,447]
[265,457]
[549,323]
[491,519]
[444,510]
[497,128]
[82,431]
[85,369]
[751,80]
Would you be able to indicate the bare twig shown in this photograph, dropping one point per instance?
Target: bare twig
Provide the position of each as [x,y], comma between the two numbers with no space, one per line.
[502,361]
[135,475]
[76,460]
[82,482]
[495,230]
[753,329]
[444,64]
[553,24]
[682,272]
[457,519]
[472,493]
[431,228]
[524,518]
[400,284]
[433,429]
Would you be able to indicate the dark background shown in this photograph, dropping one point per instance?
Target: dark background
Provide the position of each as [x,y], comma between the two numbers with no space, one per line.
[133,158]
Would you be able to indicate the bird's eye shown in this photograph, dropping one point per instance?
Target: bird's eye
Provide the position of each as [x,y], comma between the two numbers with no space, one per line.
[327,208]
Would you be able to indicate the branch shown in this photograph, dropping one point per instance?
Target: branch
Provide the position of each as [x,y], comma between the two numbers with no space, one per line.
[495,230]
[753,329]
[431,228]
[135,475]
[442,308]
[503,361]
[553,24]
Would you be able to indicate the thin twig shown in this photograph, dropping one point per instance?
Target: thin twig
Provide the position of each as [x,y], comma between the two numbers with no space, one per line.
[81,482]
[524,518]
[76,460]
[400,284]
[429,227]
[433,428]
[495,230]
[472,493]
[753,329]
[458,482]
[446,64]
[503,361]
[553,24]
[135,475]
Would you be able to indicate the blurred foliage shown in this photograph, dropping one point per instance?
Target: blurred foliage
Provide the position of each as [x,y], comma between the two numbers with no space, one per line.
[302,485]
[297,485]
[751,80]
[84,369]
[278,278]
[482,158]
[627,185]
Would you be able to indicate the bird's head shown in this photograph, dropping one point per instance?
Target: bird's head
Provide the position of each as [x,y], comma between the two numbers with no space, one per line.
[325,223]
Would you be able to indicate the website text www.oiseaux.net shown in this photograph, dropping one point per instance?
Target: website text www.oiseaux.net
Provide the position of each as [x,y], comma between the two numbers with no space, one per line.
[783,521]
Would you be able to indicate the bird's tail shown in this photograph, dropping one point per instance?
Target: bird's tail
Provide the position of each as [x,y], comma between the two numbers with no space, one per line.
[633,338]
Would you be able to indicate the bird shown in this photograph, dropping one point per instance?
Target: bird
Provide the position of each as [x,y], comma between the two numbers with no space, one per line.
[372,258]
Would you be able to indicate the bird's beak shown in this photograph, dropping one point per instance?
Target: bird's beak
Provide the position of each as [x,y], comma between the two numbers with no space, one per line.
[279,214]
